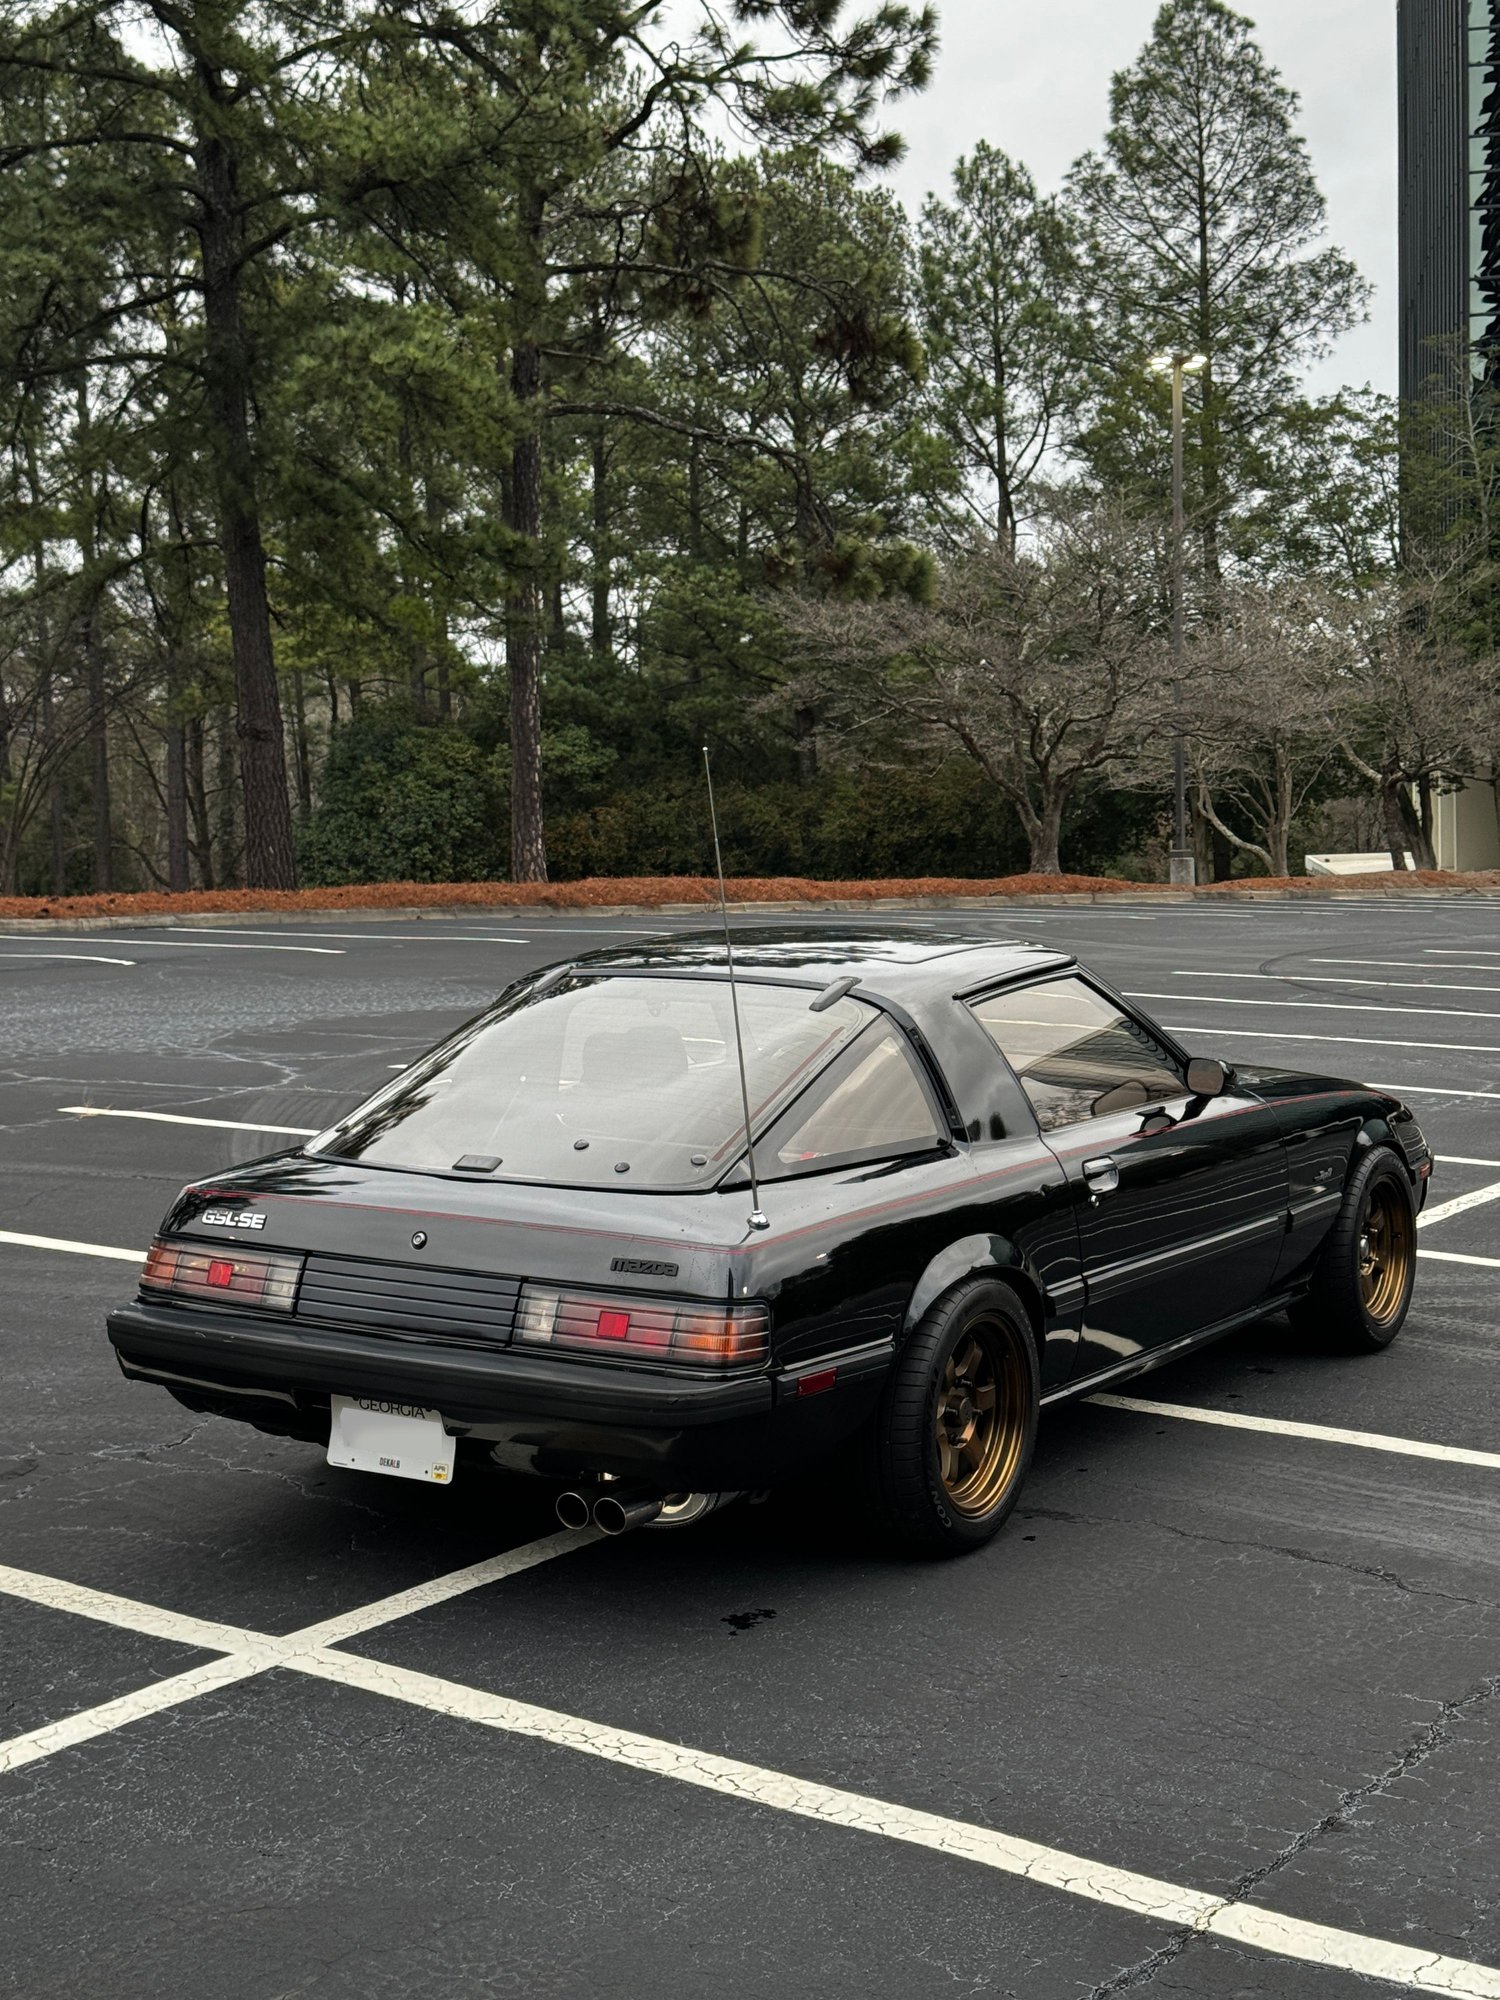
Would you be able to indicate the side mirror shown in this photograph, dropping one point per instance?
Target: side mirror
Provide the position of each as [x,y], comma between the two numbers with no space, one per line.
[1124,1096]
[1207,1077]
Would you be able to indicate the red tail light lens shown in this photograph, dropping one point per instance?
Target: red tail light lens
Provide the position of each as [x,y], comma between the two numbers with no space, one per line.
[644,1329]
[235,1277]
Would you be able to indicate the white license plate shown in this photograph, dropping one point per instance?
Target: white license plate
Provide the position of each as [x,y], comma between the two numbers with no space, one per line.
[402,1440]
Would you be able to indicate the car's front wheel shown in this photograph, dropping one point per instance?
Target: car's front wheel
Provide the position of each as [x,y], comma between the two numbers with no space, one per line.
[1361,1288]
[952,1440]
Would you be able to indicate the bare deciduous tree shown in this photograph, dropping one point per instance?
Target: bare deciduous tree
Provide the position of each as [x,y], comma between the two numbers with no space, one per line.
[1046,664]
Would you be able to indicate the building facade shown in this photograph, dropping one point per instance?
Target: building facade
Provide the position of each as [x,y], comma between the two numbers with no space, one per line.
[1448,65]
[1448,223]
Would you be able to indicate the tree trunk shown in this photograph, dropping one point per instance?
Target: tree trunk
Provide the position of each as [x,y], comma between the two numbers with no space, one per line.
[177,826]
[528,853]
[1418,836]
[198,803]
[269,855]
[1045,836]
[92,645]
[224,802]
[300,754]
[599,623]
[1394,824]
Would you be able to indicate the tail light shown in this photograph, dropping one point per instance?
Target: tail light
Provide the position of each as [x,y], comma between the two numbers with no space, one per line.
[643,1329]
[227,1277]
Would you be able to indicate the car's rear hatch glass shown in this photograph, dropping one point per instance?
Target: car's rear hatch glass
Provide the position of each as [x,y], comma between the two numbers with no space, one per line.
[615,1080]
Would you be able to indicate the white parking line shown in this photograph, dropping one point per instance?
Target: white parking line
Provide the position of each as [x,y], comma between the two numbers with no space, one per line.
[1460,1160]
[174,1118]
[1316,1433]
[1427,1090]
[1321,1006]
[1337,979]
[355,937]
[1476,1198]
[1199,1910]
[77,1249]
[246,1652]
[1344,1041]
[69,957]
[1458,1257]
[189,944]
[1407,965]
[1453,951]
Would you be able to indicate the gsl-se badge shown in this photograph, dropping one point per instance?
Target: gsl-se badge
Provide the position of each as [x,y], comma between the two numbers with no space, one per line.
[232,1218]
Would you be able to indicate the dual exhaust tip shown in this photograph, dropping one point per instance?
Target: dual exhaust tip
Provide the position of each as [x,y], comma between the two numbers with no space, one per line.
[615,1510]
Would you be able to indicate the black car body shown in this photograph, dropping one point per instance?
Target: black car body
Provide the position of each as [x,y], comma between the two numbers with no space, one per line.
[1132,1221]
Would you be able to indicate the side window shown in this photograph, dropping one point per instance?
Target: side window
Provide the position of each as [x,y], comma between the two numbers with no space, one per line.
[1069,1046]
[870,1104]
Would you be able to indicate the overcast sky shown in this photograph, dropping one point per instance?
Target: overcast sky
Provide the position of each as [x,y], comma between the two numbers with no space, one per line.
[1032,77]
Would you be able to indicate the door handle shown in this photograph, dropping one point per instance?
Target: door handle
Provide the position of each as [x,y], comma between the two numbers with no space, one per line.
[1103,1177]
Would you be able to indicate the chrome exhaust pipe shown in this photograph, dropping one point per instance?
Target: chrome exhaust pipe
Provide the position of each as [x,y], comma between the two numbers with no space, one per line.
[574,1510]
[618,1513]
[681,1510]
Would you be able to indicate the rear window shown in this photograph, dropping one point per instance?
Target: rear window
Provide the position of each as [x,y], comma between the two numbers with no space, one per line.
[614,1081]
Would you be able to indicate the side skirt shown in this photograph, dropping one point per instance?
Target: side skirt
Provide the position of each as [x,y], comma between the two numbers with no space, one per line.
[1156,1357]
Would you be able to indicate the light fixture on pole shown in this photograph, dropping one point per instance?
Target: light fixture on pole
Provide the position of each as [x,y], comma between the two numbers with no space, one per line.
[1182,868]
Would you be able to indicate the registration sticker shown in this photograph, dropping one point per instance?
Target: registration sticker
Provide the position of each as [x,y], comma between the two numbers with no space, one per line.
[402,1440]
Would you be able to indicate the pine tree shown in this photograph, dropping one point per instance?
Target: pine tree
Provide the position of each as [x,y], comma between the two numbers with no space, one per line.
[1204,228]
[996,268]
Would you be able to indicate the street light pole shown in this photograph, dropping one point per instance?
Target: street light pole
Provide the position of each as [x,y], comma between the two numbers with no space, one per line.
[1182,867]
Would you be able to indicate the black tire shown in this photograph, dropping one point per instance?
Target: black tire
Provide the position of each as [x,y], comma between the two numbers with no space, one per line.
[929,1499]
[1361,1287]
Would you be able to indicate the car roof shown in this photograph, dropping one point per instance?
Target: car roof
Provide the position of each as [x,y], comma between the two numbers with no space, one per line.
[916,962]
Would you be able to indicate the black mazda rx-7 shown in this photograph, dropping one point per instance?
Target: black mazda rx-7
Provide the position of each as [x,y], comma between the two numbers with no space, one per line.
[985,1182]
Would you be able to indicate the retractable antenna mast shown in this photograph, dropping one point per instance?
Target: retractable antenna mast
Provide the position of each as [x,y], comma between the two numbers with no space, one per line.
[757,1220]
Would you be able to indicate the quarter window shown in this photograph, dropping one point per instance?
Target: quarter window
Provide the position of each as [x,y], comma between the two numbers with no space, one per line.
[1070,1046]
[870,1105]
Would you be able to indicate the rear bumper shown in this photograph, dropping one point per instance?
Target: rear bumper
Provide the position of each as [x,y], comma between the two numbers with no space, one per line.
[530,1412]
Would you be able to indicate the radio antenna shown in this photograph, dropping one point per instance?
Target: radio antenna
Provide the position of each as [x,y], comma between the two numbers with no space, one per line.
[757,1220]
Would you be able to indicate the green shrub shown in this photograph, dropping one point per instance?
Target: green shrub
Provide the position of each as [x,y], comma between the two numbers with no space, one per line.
[403,801]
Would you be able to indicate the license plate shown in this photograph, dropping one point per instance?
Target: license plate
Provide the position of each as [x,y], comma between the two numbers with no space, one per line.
[402,1440]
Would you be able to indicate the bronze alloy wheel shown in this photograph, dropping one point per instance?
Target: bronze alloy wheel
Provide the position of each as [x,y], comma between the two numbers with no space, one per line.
[1387,1245]
[981,1417]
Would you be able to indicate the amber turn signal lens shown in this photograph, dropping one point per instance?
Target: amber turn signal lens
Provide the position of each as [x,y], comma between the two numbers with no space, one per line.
[644,1329]
[228,1277]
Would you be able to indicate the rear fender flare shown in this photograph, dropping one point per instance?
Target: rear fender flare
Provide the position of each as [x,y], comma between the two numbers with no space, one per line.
[977,1257]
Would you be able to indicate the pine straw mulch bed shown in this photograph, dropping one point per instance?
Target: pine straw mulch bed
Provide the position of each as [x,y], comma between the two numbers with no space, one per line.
[657,891]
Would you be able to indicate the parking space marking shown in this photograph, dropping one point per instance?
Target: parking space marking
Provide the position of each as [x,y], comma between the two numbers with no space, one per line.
[1476,1198]
[1339,979]
[1401,964]
[90,1723]
[245,1653]
[1194,1413]
[1344,1041]
[76,1249]
[422,1596]
[175,1118]
[1322,1006]
[1459,1160]
[1427,1090]
[70,957]
[363,937]
[192,944]
[1199,1911]
[1458,1257]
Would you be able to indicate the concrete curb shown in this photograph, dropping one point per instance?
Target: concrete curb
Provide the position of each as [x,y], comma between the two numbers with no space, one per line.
[513,913]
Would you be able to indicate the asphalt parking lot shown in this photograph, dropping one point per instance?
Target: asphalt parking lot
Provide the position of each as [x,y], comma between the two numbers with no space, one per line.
[1216,1715]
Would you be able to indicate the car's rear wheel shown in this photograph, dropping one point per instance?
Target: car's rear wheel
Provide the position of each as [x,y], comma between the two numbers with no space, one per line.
[1361,1289]
[952,1440]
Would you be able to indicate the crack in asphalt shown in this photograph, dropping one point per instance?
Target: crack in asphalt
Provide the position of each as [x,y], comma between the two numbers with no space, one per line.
[1434,1736]
[1373,1571]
